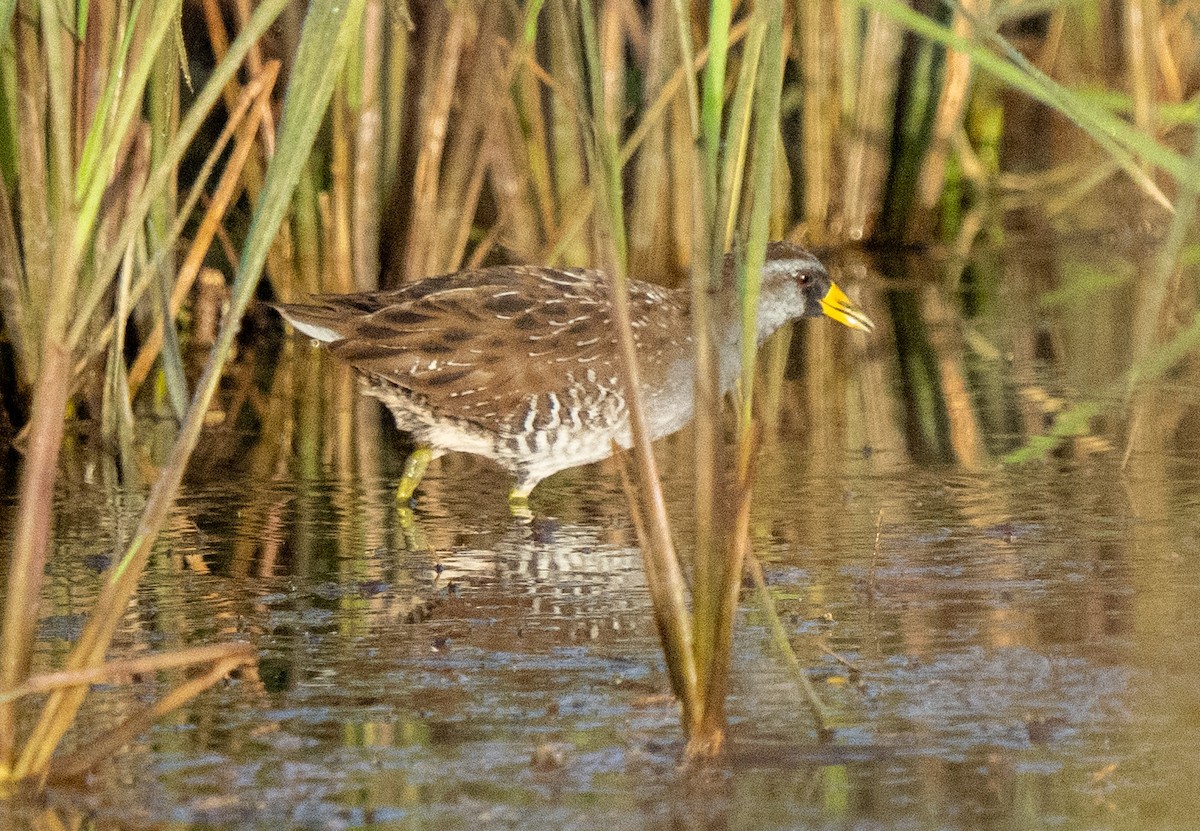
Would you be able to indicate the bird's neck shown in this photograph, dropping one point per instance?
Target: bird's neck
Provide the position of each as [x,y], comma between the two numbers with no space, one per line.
[729,346]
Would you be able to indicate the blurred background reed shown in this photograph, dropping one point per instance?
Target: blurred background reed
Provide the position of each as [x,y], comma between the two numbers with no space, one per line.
[157,158]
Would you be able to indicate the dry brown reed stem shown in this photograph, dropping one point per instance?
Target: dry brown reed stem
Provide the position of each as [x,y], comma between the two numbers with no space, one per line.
[664,577]
[102,747]
[817,47]
[1170,20]
[632,496]
[279,261]
[735,541]
[654,113]
[466,220]
[684,34]
[1141,20]
[92,64]
[228,187]
[648,217]
[366,204]
[866,160]
[956,84]
[33,197]
[488,243]
[469,147]
[612,57]
[218,39]
[114,670]
[31,528]
[662,601]
[12,292]
[423,217]
[255,64]
[670,89]
[31,531]
[707,448]
[338,276]
[135,212]
[399,28]
[850,666]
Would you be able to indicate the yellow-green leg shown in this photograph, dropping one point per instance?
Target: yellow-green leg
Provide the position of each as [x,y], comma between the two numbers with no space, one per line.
[518,500]
[414,469]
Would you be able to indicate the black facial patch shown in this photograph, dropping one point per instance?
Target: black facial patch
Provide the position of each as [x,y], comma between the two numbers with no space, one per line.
[815,290]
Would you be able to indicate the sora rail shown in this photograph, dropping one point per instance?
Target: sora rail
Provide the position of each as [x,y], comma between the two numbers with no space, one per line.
[520,364]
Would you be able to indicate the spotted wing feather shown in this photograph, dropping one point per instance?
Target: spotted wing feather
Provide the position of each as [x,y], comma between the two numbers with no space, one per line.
[481,345]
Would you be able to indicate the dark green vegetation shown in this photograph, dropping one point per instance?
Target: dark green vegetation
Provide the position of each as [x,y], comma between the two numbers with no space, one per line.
[343,145]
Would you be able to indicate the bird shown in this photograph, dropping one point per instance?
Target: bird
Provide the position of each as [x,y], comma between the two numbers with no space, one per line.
[520,364]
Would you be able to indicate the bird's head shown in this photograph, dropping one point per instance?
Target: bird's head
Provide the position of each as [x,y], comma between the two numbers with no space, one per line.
[796,284]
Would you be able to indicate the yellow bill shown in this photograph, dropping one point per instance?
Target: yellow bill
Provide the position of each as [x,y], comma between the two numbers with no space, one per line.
[841,308]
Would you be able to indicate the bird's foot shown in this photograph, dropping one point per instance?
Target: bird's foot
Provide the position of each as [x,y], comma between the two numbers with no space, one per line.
[414,469]
[518,503]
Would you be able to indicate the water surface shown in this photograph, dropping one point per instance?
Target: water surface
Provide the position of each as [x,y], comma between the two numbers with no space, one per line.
[1016,650]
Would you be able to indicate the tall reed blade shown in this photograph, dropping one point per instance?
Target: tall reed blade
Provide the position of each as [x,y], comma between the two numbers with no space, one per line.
[329,31]
[663,573]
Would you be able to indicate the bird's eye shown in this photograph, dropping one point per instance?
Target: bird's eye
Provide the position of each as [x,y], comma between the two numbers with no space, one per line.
[805,278]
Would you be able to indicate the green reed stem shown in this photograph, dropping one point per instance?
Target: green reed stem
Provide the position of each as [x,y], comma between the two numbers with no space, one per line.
[264,16]
[31,530]
[683,29]
[1150,310]
[1117,137]
[163,95]
[737,136]
[330,28]
[100,132]
[664,576]
[726,570]
[58,79]
[7,9]
[130,108]
[707,259]
[1149,362]
[713,99]
[768,89]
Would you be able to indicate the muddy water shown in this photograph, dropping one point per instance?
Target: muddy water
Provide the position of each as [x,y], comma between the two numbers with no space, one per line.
[1020,652]
[999,647]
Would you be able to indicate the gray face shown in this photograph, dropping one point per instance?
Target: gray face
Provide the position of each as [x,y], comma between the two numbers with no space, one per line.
[792,272]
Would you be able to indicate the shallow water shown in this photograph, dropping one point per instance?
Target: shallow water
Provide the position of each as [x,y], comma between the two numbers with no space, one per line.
[1022,650]
[1017,650]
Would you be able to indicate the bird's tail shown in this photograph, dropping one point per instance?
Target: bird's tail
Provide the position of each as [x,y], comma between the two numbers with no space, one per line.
[318,321]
